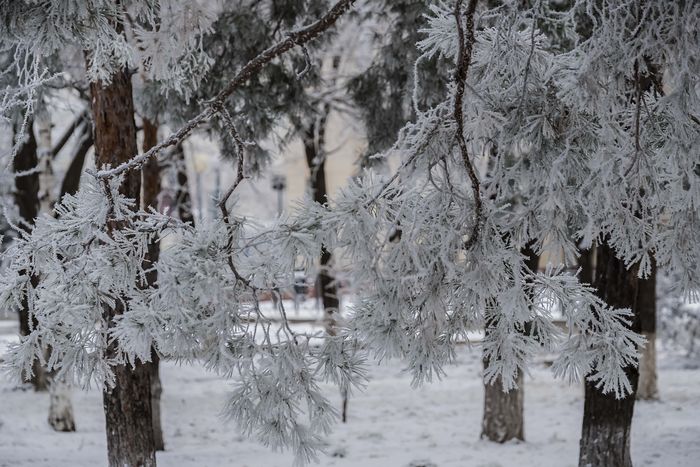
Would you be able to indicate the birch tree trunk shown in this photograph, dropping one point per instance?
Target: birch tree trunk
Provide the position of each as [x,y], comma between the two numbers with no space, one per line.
[151,190]
[646,307]
[605,435]
[60,406]
[127,405]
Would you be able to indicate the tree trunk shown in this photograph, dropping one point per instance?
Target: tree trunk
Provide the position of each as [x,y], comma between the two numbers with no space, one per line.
[646,308]
[182,197]
[314,142]
[27,200]
[128,418]
[587,264]
[156,393]
[151,190]
[503,418]
[60,406]
[127,405]
[315,159]
[46,178]
[503,411]
[605,436]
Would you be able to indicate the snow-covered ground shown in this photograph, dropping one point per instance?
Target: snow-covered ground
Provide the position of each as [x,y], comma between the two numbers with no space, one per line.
[390,424]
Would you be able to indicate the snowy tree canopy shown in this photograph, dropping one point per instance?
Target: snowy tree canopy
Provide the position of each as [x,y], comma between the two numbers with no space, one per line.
[163,37]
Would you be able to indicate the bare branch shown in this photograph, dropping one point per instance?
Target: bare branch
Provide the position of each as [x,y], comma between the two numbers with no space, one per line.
[466,45]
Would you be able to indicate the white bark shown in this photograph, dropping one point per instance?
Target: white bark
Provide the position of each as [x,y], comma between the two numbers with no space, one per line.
[60,407]
[648,388]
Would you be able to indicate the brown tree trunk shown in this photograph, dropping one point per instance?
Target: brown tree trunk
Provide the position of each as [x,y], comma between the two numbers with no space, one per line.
[150,191]
[503,418]
[646,308]
[27,200]
[503,411]
[605,436]
[127,405]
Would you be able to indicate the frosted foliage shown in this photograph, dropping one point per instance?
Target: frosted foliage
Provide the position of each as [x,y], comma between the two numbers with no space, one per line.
[573,150]
[600,140]
[162,36]
[90,260]
[646,156]
[571,134]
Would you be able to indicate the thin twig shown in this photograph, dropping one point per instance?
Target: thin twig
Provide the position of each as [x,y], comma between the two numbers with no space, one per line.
[466,45]
[227,220]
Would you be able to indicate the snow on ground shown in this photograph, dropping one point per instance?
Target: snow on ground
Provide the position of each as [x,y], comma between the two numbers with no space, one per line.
[390,424]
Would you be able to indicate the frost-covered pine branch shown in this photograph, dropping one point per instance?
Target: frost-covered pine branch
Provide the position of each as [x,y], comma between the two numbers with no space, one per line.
[200,310]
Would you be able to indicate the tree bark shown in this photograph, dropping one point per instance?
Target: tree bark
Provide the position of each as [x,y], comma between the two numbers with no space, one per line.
[587,264]
[646,307]
[315,159]
[503,411]
[151,190]
[27,200]
[605,436]
[127,405]
[503,418]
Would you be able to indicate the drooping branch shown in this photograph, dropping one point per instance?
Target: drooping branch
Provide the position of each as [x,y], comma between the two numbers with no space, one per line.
[466,45]
[297,37]
[79,121]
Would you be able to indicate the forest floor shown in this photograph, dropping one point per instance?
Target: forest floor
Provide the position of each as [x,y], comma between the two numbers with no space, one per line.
[390,424]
